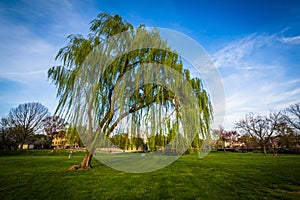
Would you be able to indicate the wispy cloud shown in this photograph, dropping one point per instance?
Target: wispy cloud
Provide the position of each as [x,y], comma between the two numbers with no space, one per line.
[254,79]
[237,53]
[31,34]
[291,40]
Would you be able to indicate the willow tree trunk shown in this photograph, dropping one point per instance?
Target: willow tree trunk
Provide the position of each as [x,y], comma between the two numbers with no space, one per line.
[85,163]
[87,159]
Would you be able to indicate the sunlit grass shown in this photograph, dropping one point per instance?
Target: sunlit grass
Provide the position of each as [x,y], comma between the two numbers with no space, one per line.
[218,176]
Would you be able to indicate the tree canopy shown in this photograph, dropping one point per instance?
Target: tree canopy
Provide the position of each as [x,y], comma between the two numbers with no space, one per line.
[262,127]
[120,77]
[27,119]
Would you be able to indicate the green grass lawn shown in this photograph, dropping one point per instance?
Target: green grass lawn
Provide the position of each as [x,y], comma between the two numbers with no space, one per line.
[41,175]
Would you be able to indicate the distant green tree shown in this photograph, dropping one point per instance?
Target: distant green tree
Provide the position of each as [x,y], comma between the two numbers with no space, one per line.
[137,143]
[122,141]
[73,136]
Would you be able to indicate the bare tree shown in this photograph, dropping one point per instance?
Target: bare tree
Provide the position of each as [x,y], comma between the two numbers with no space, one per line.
[262,127]
[286,134]
[27,119]
[292,116]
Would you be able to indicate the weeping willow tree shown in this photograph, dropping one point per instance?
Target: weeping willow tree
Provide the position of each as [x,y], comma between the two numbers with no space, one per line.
[115,80]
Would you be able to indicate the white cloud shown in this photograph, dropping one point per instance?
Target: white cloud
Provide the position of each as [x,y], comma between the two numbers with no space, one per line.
[254,79]
[291,40]
[235,54]
[31,34]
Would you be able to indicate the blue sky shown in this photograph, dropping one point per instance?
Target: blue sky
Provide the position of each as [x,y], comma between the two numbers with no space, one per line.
[255,45]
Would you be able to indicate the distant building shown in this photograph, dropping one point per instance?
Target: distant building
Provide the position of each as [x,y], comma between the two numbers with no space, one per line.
[60,141]
[27,146]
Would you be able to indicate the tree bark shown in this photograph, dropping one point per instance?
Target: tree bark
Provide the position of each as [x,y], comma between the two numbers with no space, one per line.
[21,145]
[263,146]
[85,163]
[223,145]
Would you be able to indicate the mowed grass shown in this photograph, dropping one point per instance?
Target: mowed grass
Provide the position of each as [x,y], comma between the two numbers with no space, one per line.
[218,176]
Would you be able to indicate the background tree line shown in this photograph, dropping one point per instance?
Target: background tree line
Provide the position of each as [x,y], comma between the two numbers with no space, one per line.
[22,124]
[277,130]
[32,123]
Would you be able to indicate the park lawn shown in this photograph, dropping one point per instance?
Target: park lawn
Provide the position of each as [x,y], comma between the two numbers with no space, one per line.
[218,176]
